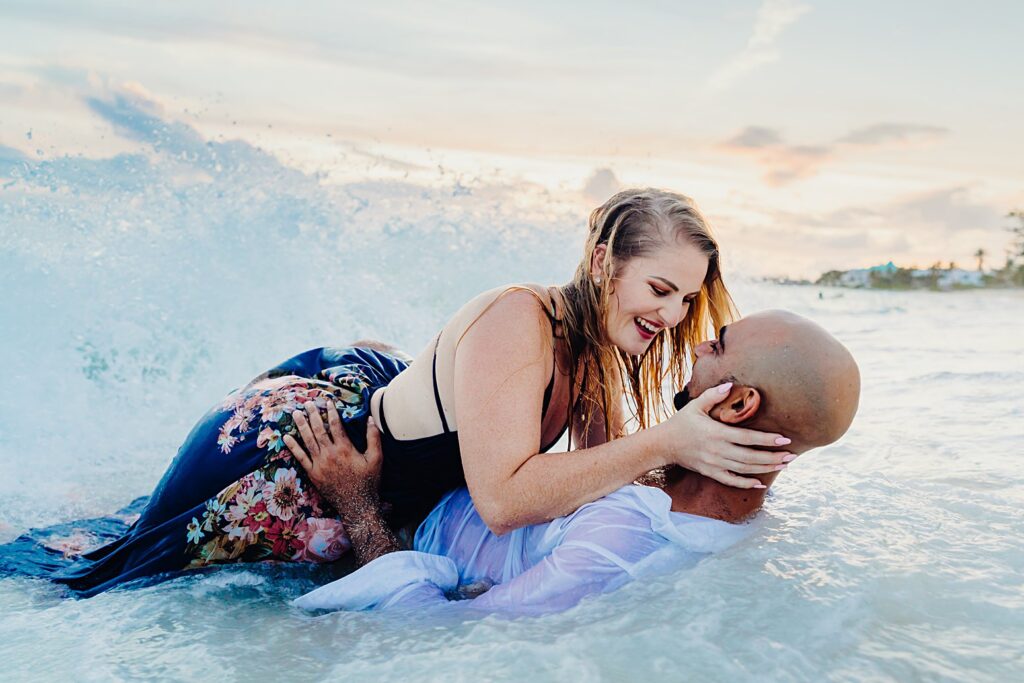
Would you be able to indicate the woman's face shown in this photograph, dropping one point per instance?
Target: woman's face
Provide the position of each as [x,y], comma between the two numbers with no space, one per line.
[651,293]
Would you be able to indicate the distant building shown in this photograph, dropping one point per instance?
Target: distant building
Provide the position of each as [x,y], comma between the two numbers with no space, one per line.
[861,277]
[958,277]
[890,276]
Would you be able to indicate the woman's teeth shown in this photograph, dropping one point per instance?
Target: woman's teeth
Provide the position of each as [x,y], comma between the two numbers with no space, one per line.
[646,325]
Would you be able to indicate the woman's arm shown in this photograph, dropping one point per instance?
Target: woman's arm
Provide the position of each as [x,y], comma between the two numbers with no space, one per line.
[501,368]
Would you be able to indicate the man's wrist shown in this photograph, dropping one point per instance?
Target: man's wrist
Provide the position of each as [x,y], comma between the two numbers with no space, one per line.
[359,507]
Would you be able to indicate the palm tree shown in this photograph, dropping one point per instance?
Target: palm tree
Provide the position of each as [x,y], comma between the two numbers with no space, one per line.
[1018,232]
[980,255]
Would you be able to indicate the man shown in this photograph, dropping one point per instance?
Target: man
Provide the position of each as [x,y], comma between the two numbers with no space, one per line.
[773,371]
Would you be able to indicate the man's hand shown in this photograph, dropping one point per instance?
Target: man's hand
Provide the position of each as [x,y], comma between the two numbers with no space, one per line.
[347,478]
[335,467]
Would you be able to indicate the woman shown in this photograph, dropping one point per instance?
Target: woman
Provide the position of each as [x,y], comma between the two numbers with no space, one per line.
[481,406]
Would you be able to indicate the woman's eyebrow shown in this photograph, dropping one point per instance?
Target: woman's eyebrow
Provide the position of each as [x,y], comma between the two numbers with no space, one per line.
[667,282]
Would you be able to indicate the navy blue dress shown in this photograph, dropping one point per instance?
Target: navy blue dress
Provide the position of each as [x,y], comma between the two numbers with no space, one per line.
[234,493]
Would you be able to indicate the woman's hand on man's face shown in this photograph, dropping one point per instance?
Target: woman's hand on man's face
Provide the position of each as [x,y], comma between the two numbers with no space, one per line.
[719,451]
[346,477]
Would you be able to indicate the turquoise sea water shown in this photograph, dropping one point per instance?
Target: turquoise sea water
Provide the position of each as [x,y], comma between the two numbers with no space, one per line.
[140,289]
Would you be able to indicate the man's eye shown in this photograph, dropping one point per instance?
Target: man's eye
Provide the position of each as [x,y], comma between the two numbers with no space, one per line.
[714,346]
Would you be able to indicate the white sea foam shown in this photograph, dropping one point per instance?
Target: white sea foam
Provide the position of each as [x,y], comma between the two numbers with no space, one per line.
[140,289]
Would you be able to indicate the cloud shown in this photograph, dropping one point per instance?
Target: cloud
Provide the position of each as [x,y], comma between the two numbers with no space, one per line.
[397,41]
[794,162]
[785,163]
[940,223]
[773,16]
[601,185]
[952,210]
[754,137]
[945,210]
[881,133]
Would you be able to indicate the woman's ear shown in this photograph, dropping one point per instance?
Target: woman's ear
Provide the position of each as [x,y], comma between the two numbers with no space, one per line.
[597,260]
[741,405]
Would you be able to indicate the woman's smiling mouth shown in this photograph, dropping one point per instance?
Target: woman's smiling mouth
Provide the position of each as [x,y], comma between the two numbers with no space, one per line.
[646,329]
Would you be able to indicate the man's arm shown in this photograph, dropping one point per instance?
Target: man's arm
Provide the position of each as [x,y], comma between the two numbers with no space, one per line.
[370,535]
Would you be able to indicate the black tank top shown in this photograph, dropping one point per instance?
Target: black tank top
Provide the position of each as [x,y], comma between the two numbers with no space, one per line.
[417,472]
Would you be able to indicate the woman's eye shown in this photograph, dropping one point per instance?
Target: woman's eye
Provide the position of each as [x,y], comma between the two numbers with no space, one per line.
[658,292]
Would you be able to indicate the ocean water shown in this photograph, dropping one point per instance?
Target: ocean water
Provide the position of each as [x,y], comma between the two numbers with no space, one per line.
[139,289]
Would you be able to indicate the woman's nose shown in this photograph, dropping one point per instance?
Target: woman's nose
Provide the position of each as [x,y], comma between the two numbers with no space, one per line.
[673,315]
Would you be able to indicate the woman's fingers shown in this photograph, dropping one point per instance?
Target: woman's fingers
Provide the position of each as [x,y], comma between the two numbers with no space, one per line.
[711,397]
[736,481]
[747,468]
[317,425]
[749,456]
[296,450]
[751,437]
[308,439]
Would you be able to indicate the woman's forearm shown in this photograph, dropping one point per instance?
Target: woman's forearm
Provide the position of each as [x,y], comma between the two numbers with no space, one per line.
[550,485]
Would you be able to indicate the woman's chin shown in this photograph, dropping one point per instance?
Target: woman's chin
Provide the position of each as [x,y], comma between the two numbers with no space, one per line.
[635,347]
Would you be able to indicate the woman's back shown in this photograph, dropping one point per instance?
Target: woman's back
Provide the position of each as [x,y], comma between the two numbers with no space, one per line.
[411,411]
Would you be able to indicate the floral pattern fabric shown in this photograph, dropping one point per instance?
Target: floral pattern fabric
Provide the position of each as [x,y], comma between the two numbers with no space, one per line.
[233,493]
[271,513]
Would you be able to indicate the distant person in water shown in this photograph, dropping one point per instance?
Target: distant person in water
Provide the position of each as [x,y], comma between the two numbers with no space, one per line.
[777,372]
[481,406]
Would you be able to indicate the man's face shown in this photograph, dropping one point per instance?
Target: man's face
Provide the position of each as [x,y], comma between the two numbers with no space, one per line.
[800,364]
[719,358]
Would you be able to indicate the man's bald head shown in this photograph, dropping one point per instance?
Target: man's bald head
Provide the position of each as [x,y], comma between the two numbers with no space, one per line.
[789,375]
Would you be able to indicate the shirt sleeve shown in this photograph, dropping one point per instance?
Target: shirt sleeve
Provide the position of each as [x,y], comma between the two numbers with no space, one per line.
[401,579]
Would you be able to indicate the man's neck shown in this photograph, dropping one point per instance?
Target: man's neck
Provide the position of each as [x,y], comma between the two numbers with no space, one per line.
[698,495]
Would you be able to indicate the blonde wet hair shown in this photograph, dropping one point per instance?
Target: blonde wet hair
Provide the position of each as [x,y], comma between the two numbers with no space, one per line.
[635,223]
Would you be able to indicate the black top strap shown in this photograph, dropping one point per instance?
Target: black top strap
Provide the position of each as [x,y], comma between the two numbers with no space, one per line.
[437,394]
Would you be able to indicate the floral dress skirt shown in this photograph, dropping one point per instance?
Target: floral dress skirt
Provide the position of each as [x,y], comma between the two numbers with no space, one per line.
[233,493]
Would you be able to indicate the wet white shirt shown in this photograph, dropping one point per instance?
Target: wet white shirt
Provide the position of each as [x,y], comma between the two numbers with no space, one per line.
[537,569]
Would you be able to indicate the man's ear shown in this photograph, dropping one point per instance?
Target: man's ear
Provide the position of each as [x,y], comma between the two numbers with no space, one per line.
[597,260]
[741,405]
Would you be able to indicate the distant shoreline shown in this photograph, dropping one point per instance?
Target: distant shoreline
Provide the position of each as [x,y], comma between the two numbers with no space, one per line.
[890,277]
[840,289]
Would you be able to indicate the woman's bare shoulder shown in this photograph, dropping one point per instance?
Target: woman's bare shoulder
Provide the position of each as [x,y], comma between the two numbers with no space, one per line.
[502,309]
[514,299]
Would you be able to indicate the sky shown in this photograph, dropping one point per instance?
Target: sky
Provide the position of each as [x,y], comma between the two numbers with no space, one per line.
[814,135]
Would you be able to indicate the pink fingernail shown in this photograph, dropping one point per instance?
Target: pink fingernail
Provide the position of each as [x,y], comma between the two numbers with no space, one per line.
[780,467]
[724,389]
[760,486]
[783,441]
[790,458]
